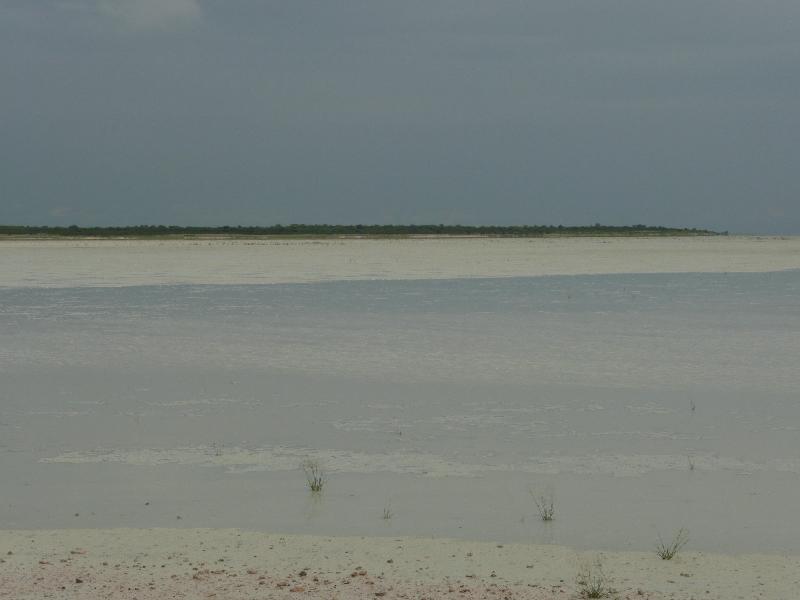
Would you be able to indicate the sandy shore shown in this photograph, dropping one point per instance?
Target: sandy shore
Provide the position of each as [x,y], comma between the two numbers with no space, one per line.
[232,564]
[70,263]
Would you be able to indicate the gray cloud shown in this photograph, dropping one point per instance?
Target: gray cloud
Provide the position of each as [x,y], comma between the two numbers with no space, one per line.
[151,14]
[517,111]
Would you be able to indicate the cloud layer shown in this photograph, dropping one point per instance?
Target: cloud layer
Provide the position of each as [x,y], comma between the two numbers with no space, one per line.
[151,14]
[549,111]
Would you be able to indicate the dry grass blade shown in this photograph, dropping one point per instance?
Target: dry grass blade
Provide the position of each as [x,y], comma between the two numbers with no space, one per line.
[666,551]
[593,582]
[315,475]
[545,505]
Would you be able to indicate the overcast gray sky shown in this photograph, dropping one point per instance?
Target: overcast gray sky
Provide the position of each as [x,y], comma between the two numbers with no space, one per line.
[211,112]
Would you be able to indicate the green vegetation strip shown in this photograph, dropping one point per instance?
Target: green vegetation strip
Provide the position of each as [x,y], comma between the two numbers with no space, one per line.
[144,231]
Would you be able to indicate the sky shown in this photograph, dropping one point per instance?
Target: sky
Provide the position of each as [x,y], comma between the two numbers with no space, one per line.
[255,112]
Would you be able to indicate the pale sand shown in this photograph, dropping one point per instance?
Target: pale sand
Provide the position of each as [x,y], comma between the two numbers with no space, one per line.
[67,263]
[233,564]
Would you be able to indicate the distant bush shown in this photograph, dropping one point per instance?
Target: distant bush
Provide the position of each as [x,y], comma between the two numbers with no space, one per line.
[361,230]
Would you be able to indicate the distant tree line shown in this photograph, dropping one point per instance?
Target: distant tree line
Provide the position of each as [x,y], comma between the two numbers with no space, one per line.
[335,230]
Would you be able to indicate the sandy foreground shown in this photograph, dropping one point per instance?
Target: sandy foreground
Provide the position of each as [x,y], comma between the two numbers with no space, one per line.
[75,263]
[233,564]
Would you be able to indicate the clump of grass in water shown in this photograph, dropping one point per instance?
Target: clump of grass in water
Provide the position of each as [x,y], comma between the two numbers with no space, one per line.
[593,582]
[315,474]
[216,449]
[387,511]
[545,505]
[666,551]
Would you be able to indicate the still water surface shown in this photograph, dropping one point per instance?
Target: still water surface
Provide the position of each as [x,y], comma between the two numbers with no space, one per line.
[642,402]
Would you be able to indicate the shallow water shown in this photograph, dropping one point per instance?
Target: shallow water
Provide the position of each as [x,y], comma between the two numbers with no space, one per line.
[443,399]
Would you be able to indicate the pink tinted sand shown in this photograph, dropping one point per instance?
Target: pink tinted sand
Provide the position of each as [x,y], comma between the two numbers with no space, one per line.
[81,577]
[149,564]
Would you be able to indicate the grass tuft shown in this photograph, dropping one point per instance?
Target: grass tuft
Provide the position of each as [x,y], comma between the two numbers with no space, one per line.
[593,582]
[666,551]
[315,474]
[216,449]
[545,504]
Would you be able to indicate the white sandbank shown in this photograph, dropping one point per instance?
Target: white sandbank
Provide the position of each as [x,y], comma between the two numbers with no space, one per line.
[82,262]
[199,563]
